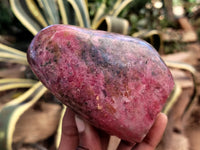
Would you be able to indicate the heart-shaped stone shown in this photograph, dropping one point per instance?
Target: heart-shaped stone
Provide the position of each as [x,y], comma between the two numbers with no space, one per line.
[118,83]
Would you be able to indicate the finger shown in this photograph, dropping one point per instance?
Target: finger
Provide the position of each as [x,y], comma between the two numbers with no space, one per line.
[104,138]
[155,134]
[88,135]
[124,145]
[69,137]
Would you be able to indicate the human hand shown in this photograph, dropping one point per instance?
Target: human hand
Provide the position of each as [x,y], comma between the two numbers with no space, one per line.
[79,135]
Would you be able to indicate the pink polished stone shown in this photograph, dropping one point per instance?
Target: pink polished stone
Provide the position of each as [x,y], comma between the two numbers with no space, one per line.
[118,83]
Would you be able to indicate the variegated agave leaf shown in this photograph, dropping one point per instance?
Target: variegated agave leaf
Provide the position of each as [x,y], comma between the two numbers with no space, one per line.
[12,111]
[13,83]
[193,72]
[36,12]
[114,24]
[109,21]
[50,11]
[21,11]
[67,12]
[100,13]
[119,6]
[35,15]
[71,8]
[8,54]
[154,37]
[172,99]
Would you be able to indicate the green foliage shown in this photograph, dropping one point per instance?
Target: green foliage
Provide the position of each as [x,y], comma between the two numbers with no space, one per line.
[174,47]
[5,17]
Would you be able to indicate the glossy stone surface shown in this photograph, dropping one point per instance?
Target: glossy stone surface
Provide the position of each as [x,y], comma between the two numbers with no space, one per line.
[118,83]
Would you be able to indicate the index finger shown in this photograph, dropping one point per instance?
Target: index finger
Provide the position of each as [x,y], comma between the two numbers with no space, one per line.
[155,134]
[69,137]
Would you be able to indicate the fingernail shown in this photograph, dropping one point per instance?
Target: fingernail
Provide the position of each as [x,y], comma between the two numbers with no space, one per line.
[80,124]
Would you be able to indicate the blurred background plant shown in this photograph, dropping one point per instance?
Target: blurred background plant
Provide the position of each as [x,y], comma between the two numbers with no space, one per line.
[168,25]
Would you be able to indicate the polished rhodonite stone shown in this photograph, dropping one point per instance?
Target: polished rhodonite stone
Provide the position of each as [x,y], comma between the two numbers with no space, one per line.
[118,83]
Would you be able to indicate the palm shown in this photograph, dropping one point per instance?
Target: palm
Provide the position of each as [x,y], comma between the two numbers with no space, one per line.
[78,134]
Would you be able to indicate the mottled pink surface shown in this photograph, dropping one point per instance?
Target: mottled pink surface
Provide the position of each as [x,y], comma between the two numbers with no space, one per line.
[118,83]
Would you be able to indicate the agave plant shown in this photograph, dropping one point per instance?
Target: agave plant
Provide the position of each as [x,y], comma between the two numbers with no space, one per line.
[37,14]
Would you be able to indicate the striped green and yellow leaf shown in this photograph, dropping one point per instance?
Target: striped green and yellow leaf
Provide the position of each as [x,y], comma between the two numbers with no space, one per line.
[11,112]
[50,11]
[21,11]
[193,72]
[13,83]
[8,54]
